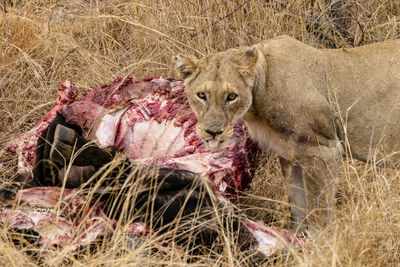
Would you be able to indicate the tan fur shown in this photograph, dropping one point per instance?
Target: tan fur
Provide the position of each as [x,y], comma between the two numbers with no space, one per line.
[305,104]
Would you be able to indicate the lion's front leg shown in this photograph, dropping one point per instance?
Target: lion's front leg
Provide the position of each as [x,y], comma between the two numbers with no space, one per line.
[319,167]
[294,180]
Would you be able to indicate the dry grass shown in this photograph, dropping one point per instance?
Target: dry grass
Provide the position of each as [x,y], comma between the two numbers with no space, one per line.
[44,42]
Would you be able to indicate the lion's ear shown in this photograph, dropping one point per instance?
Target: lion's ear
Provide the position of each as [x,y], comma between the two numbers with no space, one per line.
[250,57]
[185,65]
[248,62]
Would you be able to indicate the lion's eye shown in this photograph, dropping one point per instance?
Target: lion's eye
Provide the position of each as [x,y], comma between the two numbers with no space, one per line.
[231,97]
[202,96]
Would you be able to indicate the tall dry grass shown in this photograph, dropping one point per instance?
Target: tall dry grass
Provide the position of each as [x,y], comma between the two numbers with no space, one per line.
[44,42]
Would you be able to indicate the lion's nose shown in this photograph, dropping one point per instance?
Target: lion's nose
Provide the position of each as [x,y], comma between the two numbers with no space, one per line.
[213,133]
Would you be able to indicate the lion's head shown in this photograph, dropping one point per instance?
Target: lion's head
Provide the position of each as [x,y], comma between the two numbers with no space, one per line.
[219,88]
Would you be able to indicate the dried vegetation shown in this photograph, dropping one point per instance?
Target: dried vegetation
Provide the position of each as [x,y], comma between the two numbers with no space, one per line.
[44,42]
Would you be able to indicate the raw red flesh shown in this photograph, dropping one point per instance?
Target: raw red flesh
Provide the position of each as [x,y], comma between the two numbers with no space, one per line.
[152,122]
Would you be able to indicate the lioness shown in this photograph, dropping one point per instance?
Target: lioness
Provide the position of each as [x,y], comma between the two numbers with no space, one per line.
[304,104]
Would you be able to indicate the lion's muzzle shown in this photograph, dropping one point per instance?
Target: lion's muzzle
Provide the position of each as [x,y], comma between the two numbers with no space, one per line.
[214,138]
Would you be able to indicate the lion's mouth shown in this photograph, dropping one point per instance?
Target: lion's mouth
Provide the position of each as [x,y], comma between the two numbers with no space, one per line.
[214,143]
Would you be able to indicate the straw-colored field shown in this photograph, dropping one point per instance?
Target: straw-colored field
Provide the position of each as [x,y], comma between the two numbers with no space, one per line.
[44,42]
